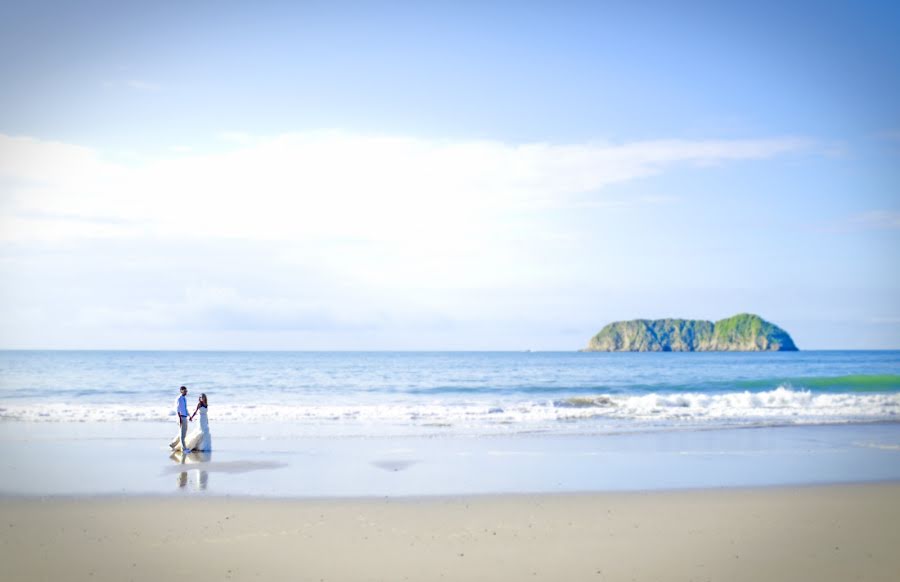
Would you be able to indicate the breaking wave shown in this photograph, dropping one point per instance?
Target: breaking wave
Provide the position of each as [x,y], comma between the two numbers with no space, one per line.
[578,413]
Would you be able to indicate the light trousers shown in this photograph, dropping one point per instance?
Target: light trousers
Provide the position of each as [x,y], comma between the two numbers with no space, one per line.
[183,433]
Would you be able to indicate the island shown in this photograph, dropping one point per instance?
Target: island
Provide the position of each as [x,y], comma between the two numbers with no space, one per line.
[744,332]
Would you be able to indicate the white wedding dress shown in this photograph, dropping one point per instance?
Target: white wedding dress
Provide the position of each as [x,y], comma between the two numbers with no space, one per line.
[199,439]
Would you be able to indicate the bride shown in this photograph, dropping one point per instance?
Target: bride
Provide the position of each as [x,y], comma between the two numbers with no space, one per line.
[200,439]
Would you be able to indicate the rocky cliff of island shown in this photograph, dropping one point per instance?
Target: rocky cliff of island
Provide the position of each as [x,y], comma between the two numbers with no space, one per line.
[742,333]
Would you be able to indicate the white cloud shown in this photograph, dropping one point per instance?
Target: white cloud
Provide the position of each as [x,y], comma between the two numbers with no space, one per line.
[238,137]
[308,232]
[389,210]
[306,186]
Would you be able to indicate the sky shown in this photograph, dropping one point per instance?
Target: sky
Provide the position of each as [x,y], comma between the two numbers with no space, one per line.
[445,176]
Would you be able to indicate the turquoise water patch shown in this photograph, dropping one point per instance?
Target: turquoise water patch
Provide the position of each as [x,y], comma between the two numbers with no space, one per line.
[848,383]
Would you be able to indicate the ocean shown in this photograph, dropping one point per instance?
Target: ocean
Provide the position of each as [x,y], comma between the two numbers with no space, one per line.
[457,393]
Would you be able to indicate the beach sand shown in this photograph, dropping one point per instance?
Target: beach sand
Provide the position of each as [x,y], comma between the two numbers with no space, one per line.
[840,532]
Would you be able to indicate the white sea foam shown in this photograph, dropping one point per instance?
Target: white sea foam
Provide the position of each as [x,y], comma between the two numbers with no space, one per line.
[578,413]
[781,403]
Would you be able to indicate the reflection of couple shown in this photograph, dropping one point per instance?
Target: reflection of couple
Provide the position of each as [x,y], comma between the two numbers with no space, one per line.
[200,459]
[199,439]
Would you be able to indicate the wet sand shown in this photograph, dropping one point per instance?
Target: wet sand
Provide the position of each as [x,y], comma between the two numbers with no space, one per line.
[68,459]
[839,532]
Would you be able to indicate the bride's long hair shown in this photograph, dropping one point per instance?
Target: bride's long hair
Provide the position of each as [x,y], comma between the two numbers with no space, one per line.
[203,401]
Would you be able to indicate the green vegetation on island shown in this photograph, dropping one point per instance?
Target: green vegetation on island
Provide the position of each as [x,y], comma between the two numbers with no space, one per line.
[741,333]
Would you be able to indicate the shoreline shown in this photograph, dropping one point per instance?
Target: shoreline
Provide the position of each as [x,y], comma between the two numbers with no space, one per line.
[828,533]
[178,497]
[81,460]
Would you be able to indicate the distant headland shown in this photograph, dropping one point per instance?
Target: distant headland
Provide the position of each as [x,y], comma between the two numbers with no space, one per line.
[744,332]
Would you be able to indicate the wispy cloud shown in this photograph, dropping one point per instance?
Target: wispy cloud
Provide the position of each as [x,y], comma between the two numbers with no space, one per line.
[889,135]
[877,219]
[238,137]
[136,84]
[142,85]
[223,309]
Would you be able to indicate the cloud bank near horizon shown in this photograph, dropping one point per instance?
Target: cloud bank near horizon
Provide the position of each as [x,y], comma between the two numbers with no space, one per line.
[329,232]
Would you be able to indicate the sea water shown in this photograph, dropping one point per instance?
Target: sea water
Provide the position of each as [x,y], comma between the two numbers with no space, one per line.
[457,393]
[446,423]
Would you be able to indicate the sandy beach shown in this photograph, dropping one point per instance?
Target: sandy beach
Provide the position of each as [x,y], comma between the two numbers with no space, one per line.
[847,532]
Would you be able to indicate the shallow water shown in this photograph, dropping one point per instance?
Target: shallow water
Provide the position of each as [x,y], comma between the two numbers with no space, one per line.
[457,393]
[260,460]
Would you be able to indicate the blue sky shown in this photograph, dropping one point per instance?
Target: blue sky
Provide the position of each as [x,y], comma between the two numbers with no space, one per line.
[465,176]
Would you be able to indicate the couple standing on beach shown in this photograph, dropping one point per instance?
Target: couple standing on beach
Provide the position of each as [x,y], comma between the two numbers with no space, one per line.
[200,439]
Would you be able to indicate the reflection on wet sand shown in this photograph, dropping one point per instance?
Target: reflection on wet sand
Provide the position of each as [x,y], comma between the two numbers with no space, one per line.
[200,476]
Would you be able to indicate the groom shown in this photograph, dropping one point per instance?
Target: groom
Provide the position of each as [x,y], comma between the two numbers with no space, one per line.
[182,411]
